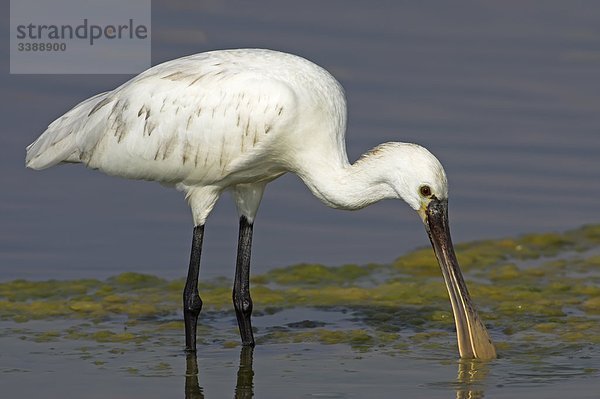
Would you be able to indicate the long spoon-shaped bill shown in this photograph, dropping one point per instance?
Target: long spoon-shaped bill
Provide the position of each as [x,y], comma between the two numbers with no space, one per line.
[474,342]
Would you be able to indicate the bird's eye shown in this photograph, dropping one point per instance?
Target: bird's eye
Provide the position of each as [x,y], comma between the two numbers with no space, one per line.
[425,191]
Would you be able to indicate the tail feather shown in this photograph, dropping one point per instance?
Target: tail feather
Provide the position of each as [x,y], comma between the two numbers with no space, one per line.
[59,142]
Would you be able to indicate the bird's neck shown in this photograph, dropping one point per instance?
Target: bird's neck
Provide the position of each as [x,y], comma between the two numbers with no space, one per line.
[349,186]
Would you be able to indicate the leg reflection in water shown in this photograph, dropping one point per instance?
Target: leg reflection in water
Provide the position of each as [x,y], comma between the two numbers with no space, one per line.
[192,388]
[244,388]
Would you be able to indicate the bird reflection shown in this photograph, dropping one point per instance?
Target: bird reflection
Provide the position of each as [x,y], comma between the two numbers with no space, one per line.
[469,381]
[244,388]
[471,375]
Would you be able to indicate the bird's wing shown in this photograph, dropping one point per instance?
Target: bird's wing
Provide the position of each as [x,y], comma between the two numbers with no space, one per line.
[58,142]
[186,119]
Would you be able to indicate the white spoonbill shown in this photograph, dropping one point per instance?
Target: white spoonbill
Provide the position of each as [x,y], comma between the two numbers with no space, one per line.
[236,120]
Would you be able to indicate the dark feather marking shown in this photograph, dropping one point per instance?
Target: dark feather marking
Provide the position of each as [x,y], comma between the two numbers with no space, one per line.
[187,149]
[149,127]
[58,141]
[195,80]
[116,122]
[118,132]
[206,157]
[221,158]
[145,110]
[114,111]
[121,133]
[197,156]
[175,76]
[100,105]
[169,147]
[119,126]
[90,153]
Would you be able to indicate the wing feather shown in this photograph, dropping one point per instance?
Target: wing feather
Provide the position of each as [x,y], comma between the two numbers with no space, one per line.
[62,138]
[173,125]
[191,120]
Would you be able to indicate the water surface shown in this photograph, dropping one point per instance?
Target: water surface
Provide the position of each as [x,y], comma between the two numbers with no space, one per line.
[340,332]
[506,94]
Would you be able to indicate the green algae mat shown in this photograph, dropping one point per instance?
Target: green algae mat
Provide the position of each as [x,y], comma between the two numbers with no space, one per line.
[538,293]
[337,332]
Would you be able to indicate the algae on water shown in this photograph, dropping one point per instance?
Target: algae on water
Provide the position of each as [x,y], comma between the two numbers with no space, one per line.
[538,291]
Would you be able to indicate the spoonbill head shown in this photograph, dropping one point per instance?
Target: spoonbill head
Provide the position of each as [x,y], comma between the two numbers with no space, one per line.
[416,176]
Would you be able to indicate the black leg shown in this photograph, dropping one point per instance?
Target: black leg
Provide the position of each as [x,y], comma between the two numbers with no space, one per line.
[241,287]
[192,304]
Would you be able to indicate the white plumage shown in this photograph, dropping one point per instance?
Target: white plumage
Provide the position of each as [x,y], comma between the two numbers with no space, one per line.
[235,120]
[211,121]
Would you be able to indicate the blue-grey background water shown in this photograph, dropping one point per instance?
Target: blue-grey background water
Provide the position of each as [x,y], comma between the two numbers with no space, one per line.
[506,94]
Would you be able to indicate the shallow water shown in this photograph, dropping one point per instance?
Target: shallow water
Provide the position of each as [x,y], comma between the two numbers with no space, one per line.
[505,93]
[322,332]
[302,370]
